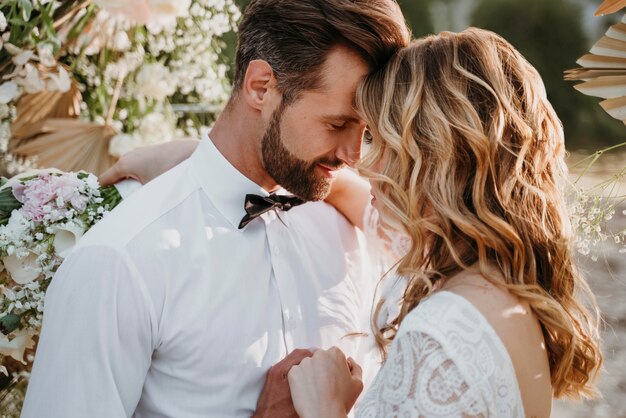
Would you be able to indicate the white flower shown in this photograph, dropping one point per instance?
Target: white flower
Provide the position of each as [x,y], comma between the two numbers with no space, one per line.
[22,270]
[166,9]
[155,81]
[121,41]
[15,230]
[32,82]
[45,54]
[59,82]
[155,128]
[15,348]
[8,91]
[159,12]
[93,184]
[134,10]
[22,58]
[3,22]
[66,237]
[12,49]
[122,144]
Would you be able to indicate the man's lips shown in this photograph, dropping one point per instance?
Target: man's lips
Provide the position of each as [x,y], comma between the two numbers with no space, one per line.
[328,171]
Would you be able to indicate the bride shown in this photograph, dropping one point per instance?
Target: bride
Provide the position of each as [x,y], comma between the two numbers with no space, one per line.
[467,161]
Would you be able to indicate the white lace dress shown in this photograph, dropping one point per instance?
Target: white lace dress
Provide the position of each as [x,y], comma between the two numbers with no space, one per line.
[446,361]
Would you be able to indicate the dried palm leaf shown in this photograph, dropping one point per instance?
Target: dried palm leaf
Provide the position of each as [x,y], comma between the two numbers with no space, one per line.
[607,87]
[598,62]
[609,47]
[67,144]
[617,31]
[610,6]
[32,108]
[615,107]
[587,74]
[604,70]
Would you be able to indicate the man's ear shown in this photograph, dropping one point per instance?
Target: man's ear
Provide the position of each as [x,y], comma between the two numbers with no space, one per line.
[259,85]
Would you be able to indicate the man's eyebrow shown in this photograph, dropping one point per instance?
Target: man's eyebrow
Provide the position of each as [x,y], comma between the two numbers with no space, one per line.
[344,117]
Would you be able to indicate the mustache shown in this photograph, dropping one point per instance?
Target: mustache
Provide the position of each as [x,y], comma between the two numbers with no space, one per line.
[332,164]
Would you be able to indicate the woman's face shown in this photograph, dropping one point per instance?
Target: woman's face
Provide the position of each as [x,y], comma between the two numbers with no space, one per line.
[372,153]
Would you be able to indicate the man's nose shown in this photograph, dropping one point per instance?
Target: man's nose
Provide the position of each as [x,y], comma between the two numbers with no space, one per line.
[350,152]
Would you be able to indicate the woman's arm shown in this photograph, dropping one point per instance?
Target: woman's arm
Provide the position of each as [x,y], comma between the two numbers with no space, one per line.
[147,163]
[350,195]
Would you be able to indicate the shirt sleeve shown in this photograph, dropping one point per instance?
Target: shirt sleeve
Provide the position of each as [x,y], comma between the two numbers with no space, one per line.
[97,339]
[127,187]
[420,379]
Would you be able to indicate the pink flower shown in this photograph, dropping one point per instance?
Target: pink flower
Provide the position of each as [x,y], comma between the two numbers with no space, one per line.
[18,192]
[35,194]
[50,195]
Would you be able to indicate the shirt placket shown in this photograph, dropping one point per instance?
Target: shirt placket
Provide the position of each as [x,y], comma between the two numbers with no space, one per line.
[282,259]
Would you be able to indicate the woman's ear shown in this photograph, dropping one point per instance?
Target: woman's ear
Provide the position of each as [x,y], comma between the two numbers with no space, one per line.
[259,85]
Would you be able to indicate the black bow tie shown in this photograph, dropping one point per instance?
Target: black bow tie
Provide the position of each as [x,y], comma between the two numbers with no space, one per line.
[256,205]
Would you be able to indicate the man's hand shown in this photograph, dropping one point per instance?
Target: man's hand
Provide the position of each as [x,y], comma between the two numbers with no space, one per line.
[275,400]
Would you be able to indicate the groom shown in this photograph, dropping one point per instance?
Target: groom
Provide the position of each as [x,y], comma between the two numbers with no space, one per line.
[180,300]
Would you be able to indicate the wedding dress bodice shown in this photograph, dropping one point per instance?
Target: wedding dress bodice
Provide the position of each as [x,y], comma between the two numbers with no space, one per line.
[446,361]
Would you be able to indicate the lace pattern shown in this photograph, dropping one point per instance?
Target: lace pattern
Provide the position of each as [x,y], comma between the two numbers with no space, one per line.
[446,361]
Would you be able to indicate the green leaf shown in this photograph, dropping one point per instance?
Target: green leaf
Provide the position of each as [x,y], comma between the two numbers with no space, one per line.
[10,323]
[16,22]
[27,9]
[8,202]
[111,196]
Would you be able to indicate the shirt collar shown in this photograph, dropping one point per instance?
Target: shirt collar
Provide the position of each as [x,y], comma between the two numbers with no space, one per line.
[222,182]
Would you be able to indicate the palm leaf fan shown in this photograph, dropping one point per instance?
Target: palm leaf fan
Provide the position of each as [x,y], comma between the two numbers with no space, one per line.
[603,70]
[67,144]
[610,6]
[32,108]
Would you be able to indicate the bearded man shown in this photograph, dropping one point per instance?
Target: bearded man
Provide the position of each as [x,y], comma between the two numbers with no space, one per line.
[179,302]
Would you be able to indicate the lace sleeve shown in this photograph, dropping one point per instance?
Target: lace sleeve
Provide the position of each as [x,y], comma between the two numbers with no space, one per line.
[420,380]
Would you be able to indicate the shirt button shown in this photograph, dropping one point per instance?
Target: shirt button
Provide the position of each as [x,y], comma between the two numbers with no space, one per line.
[275,249]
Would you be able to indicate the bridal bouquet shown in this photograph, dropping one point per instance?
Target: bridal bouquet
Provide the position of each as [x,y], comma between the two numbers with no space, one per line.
[42,215]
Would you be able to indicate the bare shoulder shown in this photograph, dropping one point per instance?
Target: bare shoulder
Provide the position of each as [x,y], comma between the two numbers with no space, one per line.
[520,332]
[509,316]
[490,298]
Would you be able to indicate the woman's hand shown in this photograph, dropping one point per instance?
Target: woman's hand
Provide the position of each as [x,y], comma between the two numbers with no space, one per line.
[147,163]
[325,385]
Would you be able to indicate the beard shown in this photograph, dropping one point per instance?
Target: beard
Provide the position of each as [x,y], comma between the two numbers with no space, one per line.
[295,175]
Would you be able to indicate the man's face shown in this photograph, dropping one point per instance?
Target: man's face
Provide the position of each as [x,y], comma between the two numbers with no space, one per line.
[306,142]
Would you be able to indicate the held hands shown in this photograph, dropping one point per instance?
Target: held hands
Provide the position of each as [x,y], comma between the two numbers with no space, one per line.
[146,163]
[325,385]
[275,400]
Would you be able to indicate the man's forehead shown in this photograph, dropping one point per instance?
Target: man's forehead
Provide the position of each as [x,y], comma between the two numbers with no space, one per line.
[339,101]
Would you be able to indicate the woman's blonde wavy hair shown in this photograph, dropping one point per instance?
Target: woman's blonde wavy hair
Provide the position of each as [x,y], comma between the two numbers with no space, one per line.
[467,158]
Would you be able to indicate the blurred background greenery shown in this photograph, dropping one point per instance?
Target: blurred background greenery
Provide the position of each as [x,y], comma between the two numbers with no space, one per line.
[552,35]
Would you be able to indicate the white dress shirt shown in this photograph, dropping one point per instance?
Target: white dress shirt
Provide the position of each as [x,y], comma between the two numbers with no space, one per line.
[167,309]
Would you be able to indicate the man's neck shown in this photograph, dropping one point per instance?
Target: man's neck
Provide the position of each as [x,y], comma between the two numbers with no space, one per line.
[237,137]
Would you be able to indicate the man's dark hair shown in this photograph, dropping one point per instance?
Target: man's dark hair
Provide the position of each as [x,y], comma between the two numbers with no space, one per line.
[295,36]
